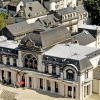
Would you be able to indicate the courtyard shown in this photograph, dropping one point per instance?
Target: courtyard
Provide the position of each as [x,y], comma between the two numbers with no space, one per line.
[29,94]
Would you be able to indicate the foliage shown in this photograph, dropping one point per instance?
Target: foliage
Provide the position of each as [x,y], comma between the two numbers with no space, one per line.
[3,16]
[93,7]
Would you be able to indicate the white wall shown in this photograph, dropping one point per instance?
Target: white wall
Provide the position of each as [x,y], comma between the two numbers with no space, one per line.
[93,44]
[94,61]
[18,7]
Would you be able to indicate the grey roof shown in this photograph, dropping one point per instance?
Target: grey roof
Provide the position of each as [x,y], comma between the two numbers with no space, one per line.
[96,73]
[49,20]
[47,38]
[23,27]
[83,38]
[30,10]
[80,9]
[71,50]
[65,11]
[25,1]
[14,2]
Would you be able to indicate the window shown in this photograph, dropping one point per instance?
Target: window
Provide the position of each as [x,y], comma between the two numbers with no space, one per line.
[30,61]
[86,74]
[30,8]
[46,68]
[53,69]
[70,74]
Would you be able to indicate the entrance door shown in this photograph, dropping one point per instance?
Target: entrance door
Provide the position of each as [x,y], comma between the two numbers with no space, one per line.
[9,77]
[56,87]
[48,85]
[41,83]
[30,82]
[2,74]
[69,91]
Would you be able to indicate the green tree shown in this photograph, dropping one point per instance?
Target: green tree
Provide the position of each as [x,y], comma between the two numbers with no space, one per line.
[93,7]
[3,16]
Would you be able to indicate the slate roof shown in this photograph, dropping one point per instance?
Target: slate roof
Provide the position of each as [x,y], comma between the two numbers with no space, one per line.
[80,9]
[83,38]
[30,10]
[23,27]
[14,3]
[47,38]
[96,73]
[65,11]
[25,1]
[49,20]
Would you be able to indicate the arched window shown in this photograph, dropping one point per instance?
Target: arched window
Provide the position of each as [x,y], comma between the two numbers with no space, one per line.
[30,61]
[70,74]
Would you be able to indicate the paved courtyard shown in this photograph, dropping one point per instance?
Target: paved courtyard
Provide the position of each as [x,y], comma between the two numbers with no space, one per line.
[29,94]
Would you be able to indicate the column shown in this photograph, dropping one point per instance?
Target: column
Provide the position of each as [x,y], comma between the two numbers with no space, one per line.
[43,84]
[32,82]
[35,82]
[43,67]
[14,77]
[11,60]
[38,83]
[83,91]
[90,88]
[72,91]
[4,59]
[58,88]
[25,81]
[50,69]
[6,74]
[66,90]
[57,70]
[20,59]
[61,88]
[51,87]
[17,62]
[0,75]
[76,92]
[85,94]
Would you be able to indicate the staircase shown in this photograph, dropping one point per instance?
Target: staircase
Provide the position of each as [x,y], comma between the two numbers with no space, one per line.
[7,95]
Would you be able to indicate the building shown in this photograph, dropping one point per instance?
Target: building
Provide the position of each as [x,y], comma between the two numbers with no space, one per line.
[29,12]
[14,6]
[84,38]
[57,4]
[93,30]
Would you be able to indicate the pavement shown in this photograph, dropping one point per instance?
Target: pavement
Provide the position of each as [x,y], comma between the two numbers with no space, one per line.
[37,94]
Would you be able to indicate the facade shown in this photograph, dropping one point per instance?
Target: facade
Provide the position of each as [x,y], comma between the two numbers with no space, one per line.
[69,74]
[29,13]
[57,4]
[14,6]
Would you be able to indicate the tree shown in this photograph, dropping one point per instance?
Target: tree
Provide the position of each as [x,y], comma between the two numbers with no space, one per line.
[3,16]
[93,7]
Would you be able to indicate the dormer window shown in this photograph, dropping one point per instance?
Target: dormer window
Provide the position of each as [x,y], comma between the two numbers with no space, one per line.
[30,8]
[70,74]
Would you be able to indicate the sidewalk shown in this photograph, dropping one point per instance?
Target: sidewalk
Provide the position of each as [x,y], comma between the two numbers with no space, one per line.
[37,94]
